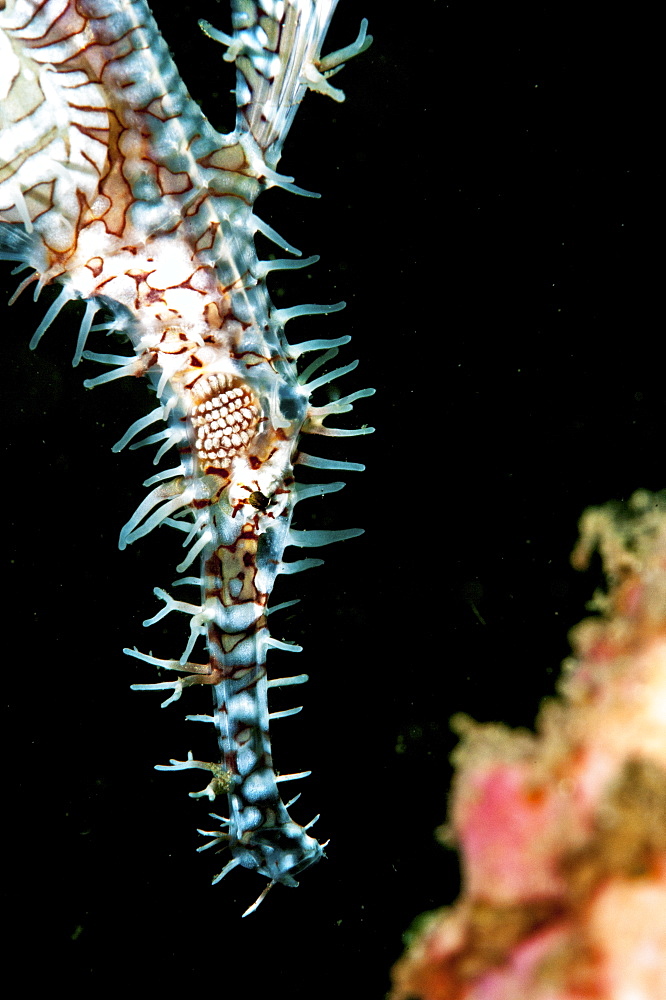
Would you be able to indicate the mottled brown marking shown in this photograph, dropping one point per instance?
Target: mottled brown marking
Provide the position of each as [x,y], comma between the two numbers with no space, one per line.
[227,158]
[96,265]
[173,183]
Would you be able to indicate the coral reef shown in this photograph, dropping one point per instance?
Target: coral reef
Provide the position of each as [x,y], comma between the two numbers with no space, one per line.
[562,832]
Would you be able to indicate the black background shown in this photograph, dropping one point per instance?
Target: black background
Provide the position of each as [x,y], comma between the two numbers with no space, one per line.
[486,214]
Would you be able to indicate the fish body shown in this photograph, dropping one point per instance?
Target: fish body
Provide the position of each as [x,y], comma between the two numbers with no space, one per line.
[114,185]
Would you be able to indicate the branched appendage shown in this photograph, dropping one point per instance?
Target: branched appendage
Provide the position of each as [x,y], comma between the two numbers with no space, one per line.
[197,673]
[220,784]
[317,73]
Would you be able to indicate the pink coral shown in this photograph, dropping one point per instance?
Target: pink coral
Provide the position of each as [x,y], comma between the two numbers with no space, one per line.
[562,833]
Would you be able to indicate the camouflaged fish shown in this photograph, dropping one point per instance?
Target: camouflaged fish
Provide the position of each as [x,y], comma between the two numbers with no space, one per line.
[115,186]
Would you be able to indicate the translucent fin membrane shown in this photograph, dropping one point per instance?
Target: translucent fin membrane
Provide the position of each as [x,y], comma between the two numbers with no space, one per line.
[16,244]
